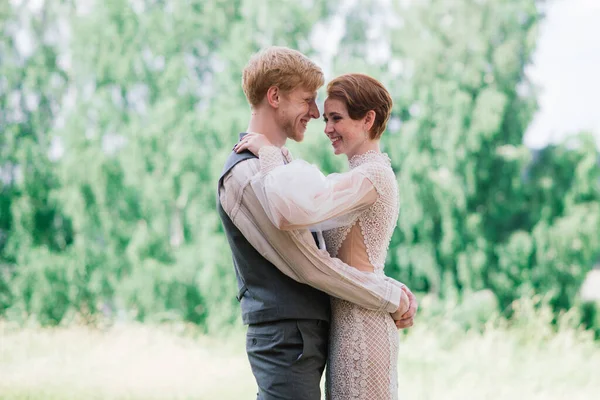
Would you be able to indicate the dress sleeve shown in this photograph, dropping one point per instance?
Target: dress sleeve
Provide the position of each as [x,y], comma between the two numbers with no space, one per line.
[298,195]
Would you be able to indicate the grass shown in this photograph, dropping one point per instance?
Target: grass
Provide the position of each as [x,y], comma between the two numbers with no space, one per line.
[438,360]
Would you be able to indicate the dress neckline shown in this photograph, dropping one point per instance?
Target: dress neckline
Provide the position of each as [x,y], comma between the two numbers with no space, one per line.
[369,156]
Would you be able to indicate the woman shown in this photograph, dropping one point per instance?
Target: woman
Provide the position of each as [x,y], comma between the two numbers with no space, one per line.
[356,212]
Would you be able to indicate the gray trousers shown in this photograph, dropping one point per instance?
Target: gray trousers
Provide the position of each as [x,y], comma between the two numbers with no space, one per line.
[287,358]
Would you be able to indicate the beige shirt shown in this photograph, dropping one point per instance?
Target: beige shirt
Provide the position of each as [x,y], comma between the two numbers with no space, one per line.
[295,253]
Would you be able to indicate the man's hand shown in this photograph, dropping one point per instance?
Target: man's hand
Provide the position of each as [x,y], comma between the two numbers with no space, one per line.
[252,142]
[403,307]
[407,318]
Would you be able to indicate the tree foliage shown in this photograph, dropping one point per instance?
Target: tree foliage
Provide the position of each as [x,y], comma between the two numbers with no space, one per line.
[116,118]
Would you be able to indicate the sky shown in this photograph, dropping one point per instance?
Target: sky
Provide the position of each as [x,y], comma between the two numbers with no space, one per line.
[566,67]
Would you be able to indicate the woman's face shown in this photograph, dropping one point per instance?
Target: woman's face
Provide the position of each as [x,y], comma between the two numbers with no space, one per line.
[346,134]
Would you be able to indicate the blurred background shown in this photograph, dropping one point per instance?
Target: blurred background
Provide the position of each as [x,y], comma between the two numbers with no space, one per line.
[116,280]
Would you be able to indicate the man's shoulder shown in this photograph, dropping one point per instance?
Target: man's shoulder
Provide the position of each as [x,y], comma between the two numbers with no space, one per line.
[241,164]
[235,158]
[243,161]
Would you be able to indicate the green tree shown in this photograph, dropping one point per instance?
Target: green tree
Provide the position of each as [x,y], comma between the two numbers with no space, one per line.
[117,119]
[32,86]
[477,212]
[153,107]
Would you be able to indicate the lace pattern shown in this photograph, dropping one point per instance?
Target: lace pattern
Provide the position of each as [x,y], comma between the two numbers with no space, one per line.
[363,354]
[378,221]
[270,157]
[364,343]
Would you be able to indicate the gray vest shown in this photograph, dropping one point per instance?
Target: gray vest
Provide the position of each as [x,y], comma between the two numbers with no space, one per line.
[265,293]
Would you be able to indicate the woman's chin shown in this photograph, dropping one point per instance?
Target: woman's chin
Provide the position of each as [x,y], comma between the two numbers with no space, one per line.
[337,150]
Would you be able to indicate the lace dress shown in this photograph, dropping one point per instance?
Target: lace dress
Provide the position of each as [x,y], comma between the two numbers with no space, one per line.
[357,212]
[363,348]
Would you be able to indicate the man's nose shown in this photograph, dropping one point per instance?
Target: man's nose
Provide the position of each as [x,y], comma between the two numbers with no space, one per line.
[314,111]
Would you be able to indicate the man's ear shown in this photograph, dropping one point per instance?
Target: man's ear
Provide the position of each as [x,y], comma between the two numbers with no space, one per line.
[273,96]
[369,120]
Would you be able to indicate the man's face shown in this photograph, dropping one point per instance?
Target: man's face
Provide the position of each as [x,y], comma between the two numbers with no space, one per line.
[297,107]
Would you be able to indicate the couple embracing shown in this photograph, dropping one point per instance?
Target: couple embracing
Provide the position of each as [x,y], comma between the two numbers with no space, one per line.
[309,249]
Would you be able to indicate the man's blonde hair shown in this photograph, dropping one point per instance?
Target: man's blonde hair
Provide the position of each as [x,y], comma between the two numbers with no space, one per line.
[282,67]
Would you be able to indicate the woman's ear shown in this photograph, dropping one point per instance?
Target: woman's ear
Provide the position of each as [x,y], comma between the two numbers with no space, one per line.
[369,120]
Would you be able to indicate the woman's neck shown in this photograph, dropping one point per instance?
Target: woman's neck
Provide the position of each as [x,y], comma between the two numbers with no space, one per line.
[369,145]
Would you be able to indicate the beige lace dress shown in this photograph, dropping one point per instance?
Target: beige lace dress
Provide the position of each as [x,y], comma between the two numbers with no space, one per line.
[356,212]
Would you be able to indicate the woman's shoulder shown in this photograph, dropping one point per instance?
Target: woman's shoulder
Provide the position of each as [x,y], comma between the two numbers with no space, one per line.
[382,172]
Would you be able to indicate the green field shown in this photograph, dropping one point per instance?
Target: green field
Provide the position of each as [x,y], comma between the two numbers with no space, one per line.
[437,361]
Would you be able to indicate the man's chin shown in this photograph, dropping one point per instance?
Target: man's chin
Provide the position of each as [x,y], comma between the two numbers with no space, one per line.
[297,137]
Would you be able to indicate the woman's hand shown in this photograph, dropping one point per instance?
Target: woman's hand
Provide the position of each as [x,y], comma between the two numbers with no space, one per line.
[252,142]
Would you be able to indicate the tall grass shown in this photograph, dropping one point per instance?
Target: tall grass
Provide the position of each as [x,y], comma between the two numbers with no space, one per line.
[440,358]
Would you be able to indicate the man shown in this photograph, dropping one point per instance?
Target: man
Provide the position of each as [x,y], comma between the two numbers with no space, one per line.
[284,279]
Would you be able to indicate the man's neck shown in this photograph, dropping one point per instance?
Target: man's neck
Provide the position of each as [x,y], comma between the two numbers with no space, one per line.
[263,123]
